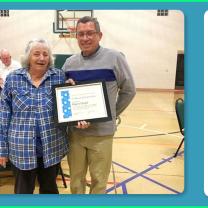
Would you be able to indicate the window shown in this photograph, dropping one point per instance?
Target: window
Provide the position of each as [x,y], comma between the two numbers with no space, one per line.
[162,12]
[4,13]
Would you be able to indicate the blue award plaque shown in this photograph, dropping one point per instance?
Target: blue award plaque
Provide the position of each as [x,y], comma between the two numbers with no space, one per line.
[84,101]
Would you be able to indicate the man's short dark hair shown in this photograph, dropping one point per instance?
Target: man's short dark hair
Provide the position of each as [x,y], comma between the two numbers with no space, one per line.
[86,19]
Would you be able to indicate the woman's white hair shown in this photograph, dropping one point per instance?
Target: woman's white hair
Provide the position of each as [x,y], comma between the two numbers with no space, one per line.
[31,44]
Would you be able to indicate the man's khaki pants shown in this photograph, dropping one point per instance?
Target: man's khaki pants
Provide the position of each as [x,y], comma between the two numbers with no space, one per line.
[92,152]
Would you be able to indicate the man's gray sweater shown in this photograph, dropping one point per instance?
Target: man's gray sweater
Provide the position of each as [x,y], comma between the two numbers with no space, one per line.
[111,66]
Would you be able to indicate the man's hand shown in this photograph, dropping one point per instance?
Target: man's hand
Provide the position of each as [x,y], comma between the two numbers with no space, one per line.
[3,161]
[83,124]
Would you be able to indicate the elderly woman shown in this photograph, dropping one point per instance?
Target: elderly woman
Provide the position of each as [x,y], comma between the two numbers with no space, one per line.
[28,136]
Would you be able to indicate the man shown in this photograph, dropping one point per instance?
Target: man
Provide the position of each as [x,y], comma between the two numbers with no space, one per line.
[7,65]
[92,147]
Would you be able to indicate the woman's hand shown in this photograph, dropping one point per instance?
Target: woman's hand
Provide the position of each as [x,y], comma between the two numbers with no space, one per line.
[1,82]
[83,124]
[3,161]
[80,124]
[70,81]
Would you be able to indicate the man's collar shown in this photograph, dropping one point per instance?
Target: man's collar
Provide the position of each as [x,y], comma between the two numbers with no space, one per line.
[92,53]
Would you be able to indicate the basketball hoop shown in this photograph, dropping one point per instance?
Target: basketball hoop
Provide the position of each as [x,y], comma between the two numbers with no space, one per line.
[72,32]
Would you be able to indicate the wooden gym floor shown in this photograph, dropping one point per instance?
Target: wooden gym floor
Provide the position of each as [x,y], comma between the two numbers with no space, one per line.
[143,150]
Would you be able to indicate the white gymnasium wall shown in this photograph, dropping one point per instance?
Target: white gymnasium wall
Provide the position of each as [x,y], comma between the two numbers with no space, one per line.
[150,42]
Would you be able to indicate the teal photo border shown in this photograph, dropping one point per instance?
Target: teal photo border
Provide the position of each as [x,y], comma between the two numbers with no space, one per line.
[194,113]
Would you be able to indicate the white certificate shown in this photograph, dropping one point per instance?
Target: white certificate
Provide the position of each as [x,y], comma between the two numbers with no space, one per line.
[85,101]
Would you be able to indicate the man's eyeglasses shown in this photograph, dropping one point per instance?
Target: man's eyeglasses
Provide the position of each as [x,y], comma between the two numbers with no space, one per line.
[89,34]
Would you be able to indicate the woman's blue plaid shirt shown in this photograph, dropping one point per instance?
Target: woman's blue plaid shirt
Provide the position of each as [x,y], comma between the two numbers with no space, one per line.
[22,105]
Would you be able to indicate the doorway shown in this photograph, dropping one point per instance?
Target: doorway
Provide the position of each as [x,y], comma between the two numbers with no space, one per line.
[179,81]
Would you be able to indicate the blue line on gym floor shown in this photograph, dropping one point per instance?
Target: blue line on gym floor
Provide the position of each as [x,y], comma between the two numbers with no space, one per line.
[141,174]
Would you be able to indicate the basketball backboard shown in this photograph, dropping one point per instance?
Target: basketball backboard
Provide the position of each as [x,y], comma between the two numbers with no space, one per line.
[65,20]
